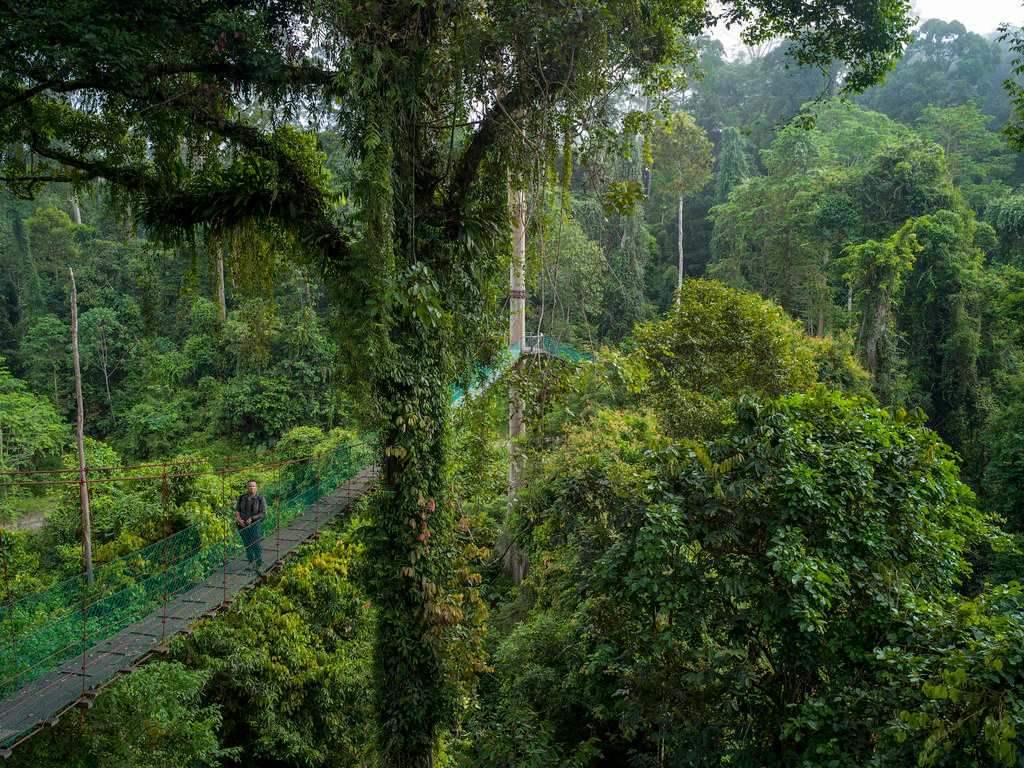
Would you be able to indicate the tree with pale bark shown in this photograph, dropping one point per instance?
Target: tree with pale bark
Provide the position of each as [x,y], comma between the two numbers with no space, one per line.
[682,168]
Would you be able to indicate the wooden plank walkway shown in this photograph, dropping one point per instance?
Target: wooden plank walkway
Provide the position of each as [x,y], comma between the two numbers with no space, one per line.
[78,681]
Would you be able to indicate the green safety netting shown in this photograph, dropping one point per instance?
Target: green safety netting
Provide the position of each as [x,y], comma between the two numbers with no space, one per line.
[564,351]
[484,376]
[41,631]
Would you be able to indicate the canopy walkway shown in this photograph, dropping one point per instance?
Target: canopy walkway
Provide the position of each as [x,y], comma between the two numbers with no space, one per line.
[60,647]
[537,345]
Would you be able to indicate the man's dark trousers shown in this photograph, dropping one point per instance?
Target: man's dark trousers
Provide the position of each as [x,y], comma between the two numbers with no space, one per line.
[250,509]
[252,537]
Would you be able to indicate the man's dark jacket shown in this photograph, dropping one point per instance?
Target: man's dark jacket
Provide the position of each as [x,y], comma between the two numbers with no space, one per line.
[251,508]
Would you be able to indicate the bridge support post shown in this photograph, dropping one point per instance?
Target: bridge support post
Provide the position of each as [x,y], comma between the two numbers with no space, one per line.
[316,505]
[224,598]
[516,332]
[163,618]
[85,637]
[514,560]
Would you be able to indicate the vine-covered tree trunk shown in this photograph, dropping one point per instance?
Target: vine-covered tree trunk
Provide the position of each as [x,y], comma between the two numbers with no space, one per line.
[410,383]
[874,327]
[410,520]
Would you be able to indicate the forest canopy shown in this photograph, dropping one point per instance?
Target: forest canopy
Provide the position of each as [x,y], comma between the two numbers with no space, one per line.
[748,492]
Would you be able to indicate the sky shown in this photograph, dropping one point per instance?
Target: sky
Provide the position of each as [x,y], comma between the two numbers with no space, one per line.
[981,16]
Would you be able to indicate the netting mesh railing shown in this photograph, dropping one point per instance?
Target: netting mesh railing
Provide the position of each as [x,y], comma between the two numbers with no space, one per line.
[484,377]
[40,632]
[564,351]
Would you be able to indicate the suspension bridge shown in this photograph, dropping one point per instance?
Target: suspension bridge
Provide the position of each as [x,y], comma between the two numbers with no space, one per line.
[60,647]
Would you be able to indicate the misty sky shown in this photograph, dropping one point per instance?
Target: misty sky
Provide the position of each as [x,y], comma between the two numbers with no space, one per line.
[981,16]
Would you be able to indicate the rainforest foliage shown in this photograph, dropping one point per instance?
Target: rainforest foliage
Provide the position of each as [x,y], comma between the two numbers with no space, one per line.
[774,520]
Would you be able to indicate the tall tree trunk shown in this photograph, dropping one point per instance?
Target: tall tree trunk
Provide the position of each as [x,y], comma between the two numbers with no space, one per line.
[110,402]
[76,211]
[832,78]
[222,304]
[307,296]
[679,243]
[23,275]
[411,517]
[824,295]
[129,224]
[874,332]
[80,438]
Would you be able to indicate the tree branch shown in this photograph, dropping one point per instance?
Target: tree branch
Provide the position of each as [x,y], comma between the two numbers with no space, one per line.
[234,71]
[499,117]
[308,197]
[40,179]
[95,169]
[302,208]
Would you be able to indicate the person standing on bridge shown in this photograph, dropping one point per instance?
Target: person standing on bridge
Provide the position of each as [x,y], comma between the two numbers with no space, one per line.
[250,509]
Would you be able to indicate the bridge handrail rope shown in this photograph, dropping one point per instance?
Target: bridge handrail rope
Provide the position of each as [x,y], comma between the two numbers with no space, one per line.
[166,541]
[228,462]
[161,475]
[39,632]
[77,579]
[128,568]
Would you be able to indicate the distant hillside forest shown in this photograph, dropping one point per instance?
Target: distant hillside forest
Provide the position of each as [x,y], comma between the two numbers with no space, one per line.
[781,190]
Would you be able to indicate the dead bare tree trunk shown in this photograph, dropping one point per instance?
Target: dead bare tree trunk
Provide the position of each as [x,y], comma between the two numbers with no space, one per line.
[679,243]
[83,480]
